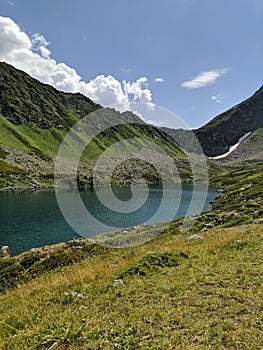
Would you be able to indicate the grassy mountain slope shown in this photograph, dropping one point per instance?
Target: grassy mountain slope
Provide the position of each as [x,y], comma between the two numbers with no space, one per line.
[24,99]
[170,293]
[35,117]
[176,294]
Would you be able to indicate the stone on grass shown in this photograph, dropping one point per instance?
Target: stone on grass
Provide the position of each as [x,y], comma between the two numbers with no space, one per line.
[195,236]
[4,252]
[118,282]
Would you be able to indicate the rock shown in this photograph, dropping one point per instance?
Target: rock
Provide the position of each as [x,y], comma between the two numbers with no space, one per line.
[35,250]
[195,236]
[118,282]
[4,252]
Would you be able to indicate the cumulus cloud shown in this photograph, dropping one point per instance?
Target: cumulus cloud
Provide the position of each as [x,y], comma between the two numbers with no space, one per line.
[159,80]
[217,98]
[139,90]
[106,91]
[204,79]
[32,56]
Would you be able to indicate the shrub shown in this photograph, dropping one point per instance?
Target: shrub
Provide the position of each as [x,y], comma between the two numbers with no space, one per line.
[154,261]
[29,259]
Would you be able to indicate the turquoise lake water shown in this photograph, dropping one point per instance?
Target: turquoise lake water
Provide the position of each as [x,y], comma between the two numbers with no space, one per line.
[33,219]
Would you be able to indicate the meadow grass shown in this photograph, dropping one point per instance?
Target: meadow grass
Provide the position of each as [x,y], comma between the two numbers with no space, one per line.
[208,296]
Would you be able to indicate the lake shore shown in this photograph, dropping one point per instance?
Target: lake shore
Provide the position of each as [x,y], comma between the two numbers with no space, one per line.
[33,218]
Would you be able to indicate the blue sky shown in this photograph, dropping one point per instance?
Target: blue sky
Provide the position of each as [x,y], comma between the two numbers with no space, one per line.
[196,58]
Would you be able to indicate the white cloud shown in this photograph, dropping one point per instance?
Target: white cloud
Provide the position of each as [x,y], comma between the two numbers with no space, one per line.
[217,98]
[11,37]
[157,123]
[139,90]
[32,56]
[106,91]
[39,39]
[39,44]
[204,79]
[159,80]
[11,3]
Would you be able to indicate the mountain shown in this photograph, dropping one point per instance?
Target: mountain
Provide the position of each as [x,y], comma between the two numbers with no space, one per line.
[35,117]
[225,130]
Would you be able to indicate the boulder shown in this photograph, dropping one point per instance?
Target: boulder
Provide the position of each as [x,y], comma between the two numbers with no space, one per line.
[4,252]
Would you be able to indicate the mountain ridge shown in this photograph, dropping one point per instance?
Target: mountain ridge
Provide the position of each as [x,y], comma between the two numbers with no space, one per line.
[224,131]
[35,117]
[227,128]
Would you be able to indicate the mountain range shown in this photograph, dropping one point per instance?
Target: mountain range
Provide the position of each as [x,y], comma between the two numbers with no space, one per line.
[226,129]
[35,117]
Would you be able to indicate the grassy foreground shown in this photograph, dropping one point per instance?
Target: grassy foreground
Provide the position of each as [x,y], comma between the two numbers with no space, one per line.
[174,293]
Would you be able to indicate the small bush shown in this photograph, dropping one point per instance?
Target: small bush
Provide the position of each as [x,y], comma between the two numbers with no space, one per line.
[237,244]
[29,259]
[10,276]
[154,261]
[6,262]
[237,220]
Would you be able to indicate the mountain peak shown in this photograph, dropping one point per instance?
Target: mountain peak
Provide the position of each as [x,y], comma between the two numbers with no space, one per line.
[227,128]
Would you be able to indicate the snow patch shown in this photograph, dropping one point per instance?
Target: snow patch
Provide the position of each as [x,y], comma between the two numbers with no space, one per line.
[232,148]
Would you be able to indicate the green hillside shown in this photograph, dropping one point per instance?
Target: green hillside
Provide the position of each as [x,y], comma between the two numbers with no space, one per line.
[35,117]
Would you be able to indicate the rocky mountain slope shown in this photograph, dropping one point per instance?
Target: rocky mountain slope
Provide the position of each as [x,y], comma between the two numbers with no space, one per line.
[34,119]
[224,131]
[249,150]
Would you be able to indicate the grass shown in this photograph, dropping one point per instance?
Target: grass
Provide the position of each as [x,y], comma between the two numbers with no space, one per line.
[191,295]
